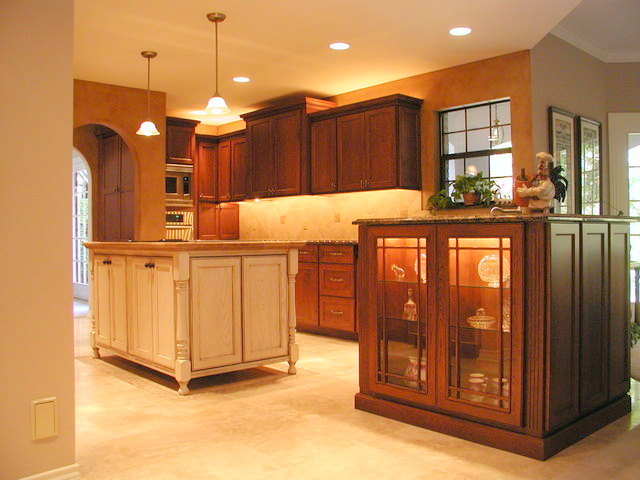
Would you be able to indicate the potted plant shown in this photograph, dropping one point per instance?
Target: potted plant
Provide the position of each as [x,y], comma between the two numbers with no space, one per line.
[439,201]
[474,189]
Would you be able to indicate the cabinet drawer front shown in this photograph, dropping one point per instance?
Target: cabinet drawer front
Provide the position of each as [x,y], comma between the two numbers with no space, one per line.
[336,280]
[337,313]
[336,254]
[308,253]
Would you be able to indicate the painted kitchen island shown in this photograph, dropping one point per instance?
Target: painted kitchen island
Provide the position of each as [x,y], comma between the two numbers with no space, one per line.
[192,309]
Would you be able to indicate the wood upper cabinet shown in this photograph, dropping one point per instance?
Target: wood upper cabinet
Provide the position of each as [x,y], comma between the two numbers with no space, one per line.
[374,145]
[181,146]
[116,180]
[278,144]
[206,169]
[239,171]
[224,171]
[323,156]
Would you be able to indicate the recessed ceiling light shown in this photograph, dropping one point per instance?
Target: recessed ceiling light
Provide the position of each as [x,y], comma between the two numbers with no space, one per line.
[460,31]
[339,46]
[241,79]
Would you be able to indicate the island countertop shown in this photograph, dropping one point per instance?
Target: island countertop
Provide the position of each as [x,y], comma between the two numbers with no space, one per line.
[196,245]
[500,218]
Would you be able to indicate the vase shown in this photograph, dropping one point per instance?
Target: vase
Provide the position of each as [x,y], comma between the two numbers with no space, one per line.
[470,198]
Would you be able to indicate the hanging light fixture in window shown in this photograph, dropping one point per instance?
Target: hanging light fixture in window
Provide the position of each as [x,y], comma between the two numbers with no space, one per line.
[216,105]
[496,133]
[148,128]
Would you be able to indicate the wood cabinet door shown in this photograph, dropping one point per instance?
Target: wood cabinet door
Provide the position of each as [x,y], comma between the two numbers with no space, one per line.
[216,312]
[352,151]
[239,169]
[140,307]
[118,298]
[102,295]
[180,143]
[229,221]
[337,313]
[594,317]
[264,307]
[127,193]
[619,311]
[261,160]
[381,148]
[287,133]
[109,186]
[480,321]
[208,221]
[307,295]
[336,280]
[224,171]
[163,307]
[206,167]
[324,161]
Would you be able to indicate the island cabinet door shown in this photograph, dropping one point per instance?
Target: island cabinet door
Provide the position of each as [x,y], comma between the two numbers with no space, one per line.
[102,293]
[140,307]
[397,303]
[163,312]
[111,308]
[216,312]
[265,307]
[480,326]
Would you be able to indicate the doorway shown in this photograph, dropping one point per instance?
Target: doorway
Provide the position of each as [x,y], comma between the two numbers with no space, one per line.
[81,224]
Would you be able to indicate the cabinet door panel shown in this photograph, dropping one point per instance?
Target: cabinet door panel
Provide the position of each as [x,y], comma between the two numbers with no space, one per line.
[352,152]
[119,333]
[208,222]
[207,153]
[102,295]
[288,153]
[594,325]
[619,326]
[337,313]
[140,309]
[307,295]
[229,221]
[216,312]
[109,181]
[179,143]
[224,171]
[264,285]
[260,138]
[381,148]
[324,161]
[336,280]
[164,335]
[239,169]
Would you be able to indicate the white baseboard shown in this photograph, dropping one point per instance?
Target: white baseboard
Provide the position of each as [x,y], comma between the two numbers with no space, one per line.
[70,472]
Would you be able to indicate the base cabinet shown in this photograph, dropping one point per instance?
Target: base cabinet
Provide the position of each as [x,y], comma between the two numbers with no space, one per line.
[497,332]
[191,314]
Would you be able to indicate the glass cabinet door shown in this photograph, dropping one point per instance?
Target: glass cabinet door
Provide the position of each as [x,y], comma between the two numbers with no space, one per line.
[481,322]
[405,314]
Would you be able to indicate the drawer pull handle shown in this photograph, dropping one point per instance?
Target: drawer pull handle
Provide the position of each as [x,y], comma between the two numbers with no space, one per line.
[336,312]
[336,254]
[336,279]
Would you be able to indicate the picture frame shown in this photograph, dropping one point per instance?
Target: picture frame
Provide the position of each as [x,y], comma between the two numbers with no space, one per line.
[563,146]
[589,167]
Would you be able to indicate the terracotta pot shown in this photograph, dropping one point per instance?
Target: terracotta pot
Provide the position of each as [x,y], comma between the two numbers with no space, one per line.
[517,199]
[471,198]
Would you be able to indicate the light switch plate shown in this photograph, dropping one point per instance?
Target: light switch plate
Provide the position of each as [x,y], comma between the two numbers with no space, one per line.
[44,418]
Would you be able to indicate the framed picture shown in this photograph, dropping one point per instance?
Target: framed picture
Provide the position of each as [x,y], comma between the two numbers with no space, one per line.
[589,186]
[562,145]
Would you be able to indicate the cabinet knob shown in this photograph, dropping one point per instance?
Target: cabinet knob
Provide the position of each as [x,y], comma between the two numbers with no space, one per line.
[333,185]
[106,262]
[202,195]
[152,265]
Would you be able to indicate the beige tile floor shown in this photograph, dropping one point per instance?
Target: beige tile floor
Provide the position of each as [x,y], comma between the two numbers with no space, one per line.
[267,425]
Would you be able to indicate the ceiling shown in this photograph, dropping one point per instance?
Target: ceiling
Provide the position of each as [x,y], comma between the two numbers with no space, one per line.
[607,29]
[282,45]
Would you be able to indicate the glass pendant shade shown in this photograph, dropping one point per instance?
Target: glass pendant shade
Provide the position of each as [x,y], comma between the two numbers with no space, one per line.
[148,129]
[217,105]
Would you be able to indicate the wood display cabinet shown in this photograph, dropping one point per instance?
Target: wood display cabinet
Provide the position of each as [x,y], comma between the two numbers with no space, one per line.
[366,146]
[181,134]
[508,333]
[278,146]
[325,292]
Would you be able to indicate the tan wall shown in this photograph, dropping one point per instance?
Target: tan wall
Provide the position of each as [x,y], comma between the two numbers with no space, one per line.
[123,109]
[623,87]
[322,217]
[495,78]
[36,319]
[564,76]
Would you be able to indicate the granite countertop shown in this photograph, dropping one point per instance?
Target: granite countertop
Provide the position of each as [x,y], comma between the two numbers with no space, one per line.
[331,242]
[196,245]
[499,218]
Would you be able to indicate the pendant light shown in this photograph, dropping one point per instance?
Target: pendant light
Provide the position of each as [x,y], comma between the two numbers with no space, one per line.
[148,128]
[216,105]
[496,133]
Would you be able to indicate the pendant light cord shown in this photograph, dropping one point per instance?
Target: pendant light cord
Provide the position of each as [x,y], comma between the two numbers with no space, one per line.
[148,88]
[216,94]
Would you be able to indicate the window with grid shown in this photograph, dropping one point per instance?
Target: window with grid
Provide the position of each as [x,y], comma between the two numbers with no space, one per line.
[590,169]
[80,226]
[477,138]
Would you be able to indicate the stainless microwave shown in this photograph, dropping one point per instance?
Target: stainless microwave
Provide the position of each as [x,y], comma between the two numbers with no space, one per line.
[178,185]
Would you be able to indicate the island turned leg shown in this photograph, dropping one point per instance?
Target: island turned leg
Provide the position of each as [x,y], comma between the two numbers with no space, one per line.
[183,361]
[92,336]
[294,352]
